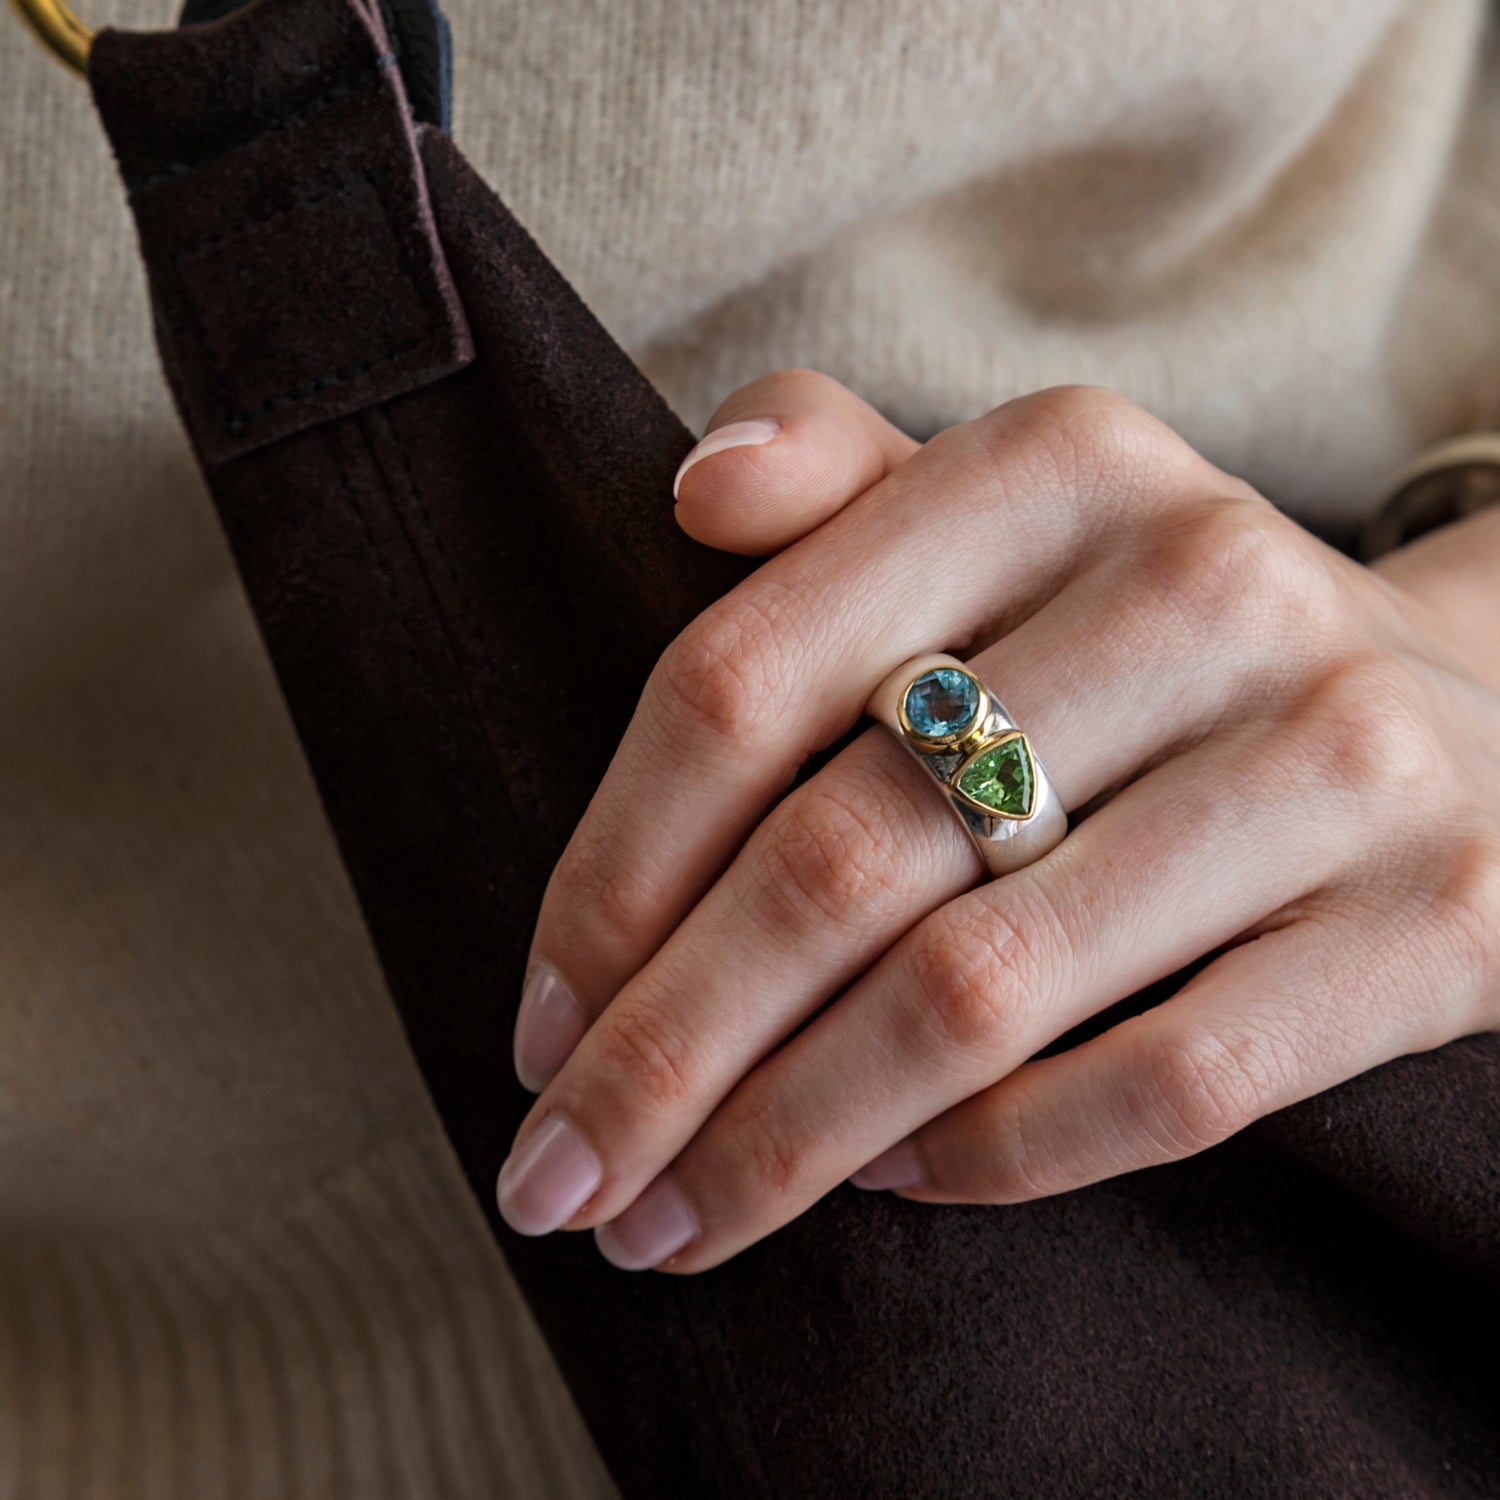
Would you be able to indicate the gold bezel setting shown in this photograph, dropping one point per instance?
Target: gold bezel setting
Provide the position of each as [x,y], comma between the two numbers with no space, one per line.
[947,742]
[1013,776]
[991,742]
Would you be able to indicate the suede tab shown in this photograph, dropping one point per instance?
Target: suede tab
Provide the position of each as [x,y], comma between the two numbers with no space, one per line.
[294,178]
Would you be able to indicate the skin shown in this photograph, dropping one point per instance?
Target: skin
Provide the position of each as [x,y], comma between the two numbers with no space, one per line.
[1269,753]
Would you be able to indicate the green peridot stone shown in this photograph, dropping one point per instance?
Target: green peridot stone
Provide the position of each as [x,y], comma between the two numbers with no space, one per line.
[1001,778]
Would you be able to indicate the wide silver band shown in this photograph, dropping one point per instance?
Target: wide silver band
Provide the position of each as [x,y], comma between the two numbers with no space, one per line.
[1013,815]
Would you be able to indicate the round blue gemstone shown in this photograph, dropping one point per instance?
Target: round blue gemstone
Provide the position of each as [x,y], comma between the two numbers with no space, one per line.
[942,702]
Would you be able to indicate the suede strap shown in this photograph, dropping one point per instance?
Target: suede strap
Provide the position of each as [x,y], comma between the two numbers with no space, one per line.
[271,165]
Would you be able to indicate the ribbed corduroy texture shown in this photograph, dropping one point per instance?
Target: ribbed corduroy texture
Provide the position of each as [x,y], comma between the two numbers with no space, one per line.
[359,1343]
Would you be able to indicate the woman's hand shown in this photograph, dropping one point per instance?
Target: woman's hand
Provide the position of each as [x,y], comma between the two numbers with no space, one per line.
[1267,749]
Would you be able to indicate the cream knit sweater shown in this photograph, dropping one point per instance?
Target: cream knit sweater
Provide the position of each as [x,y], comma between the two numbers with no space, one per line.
[235,1255]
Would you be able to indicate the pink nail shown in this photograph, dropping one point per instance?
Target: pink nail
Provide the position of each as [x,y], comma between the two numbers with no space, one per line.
[900,1167]
[753,431]
[549,1025]
[657,1223]
[549,1179]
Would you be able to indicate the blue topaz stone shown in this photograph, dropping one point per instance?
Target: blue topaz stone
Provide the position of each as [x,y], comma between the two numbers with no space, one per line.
[941,703]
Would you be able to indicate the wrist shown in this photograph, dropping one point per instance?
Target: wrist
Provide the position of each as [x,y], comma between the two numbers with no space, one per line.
[1453,572]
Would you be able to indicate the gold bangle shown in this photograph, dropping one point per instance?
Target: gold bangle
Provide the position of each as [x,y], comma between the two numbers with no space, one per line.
[1447,483]
[60,31]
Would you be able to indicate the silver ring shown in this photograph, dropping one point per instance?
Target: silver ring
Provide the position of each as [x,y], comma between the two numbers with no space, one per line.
[979,756]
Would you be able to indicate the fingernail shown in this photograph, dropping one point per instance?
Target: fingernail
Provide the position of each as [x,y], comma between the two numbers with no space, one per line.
[655,1225]
[549,1179]
[900,1167]
[549,1025]
[744,434]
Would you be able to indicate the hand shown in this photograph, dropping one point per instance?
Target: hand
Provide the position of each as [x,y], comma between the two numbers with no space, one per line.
[1267,749]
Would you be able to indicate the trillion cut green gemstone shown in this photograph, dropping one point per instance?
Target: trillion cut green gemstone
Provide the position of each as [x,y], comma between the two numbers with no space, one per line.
[1001,778]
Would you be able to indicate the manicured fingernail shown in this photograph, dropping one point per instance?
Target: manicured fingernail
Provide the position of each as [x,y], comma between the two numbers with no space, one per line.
[549,1179]
[549,1026]
[655,1225]
[744,434]
[900,1167]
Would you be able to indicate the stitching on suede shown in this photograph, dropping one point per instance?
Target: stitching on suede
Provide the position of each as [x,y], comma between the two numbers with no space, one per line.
[236,419]
[475,633]
[357,83]
[303,200]
[445,740]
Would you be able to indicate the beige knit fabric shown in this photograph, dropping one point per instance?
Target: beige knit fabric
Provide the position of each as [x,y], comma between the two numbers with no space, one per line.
[236,1257]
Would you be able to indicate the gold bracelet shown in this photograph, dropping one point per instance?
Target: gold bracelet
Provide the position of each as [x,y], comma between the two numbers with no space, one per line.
[1455,479]
[60,31]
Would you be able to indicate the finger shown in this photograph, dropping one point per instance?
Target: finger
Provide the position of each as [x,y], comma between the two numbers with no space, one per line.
[781,666]
[786,451]
[849,861]
[1294,1012]
[1167,870]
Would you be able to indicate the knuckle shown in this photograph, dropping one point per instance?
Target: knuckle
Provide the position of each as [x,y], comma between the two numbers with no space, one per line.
[645,1056]
[829,857]
[1202,1089]
[1106,458]
[1228,566]
[1086,406]
[1086,435]
[972,982]
[1016,1172]
[720,678]
[1085,417]
[771,1166]
[1365,733]
[596,903]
